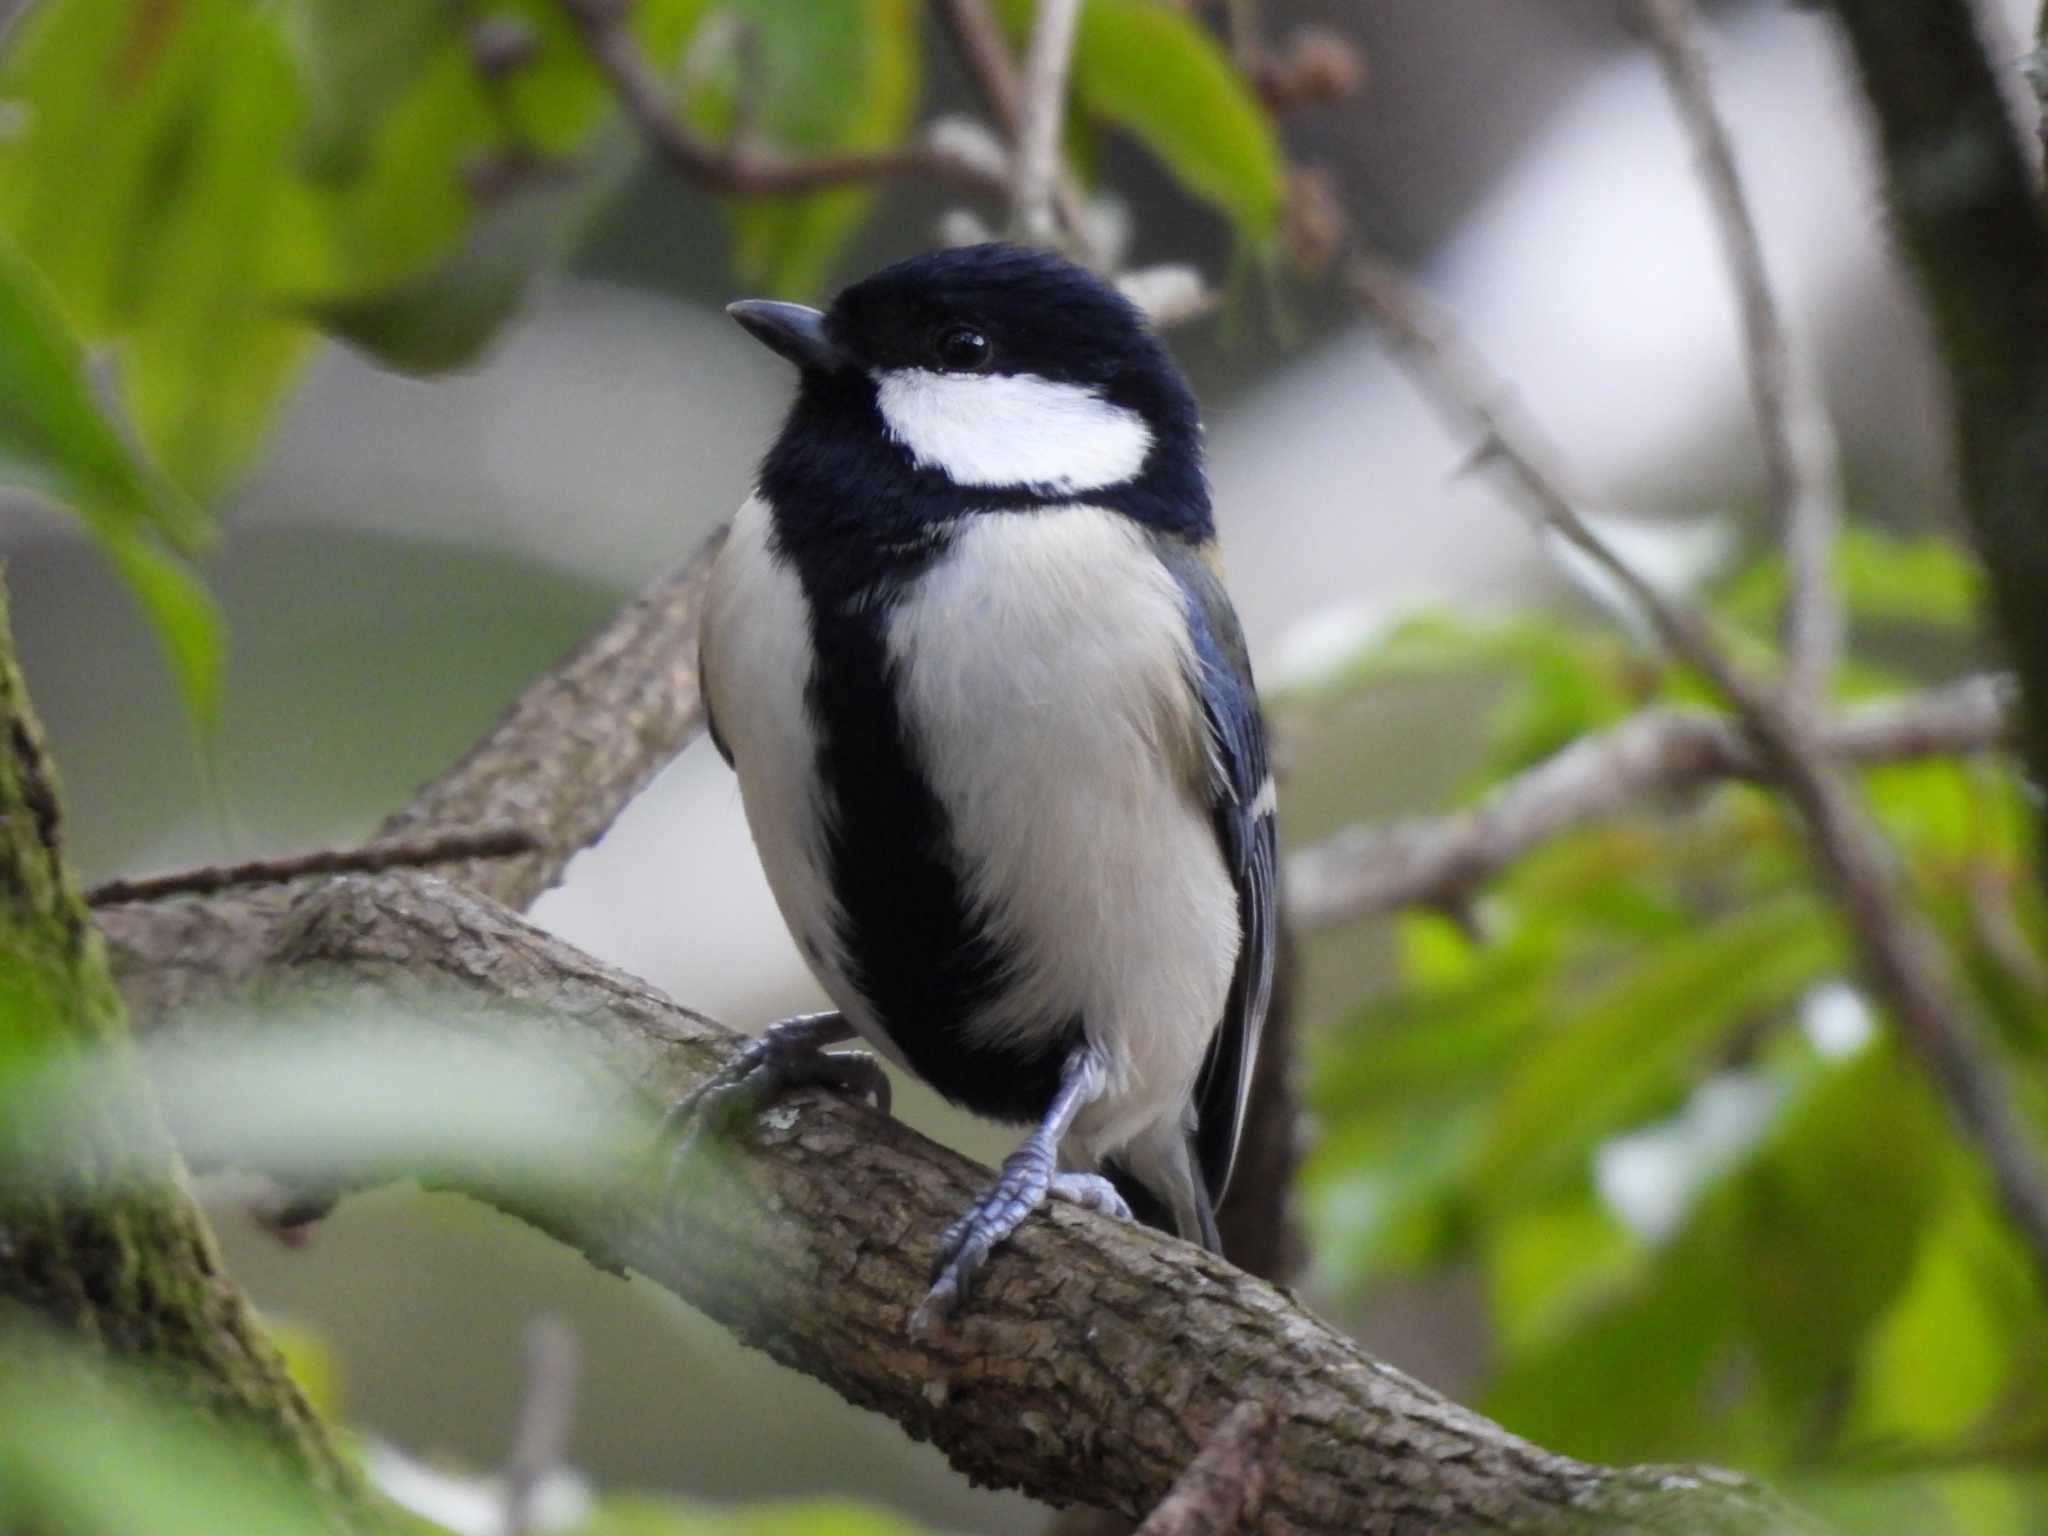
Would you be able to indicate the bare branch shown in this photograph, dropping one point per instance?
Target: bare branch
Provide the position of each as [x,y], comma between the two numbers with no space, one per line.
[365,858]
[1097,1354]
[540,1440]
[562,762]
[979,41]
[1041,115]
[739,169]
[1220,1491]
[1905,961]
[1439,861]
[1798,441]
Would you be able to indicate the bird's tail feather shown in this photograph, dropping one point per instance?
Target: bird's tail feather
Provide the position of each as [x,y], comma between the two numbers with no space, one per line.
[1197,1224]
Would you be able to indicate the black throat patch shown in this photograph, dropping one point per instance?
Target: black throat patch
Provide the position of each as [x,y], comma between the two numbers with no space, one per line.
[912,946]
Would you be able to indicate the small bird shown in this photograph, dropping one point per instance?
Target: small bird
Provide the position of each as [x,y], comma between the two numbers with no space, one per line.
[968,649]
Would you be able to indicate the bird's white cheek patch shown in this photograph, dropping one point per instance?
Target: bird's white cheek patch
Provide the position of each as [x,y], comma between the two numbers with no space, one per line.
[993,429]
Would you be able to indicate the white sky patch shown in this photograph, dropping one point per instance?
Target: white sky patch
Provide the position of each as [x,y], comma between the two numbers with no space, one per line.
[995,429]
[1836,1020]
[1649,1178]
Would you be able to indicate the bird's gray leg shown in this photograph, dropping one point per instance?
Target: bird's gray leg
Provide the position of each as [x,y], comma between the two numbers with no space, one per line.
[1028,1175]
[783,1056]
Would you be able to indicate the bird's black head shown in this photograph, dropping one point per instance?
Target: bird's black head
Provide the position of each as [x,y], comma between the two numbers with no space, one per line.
[988,378]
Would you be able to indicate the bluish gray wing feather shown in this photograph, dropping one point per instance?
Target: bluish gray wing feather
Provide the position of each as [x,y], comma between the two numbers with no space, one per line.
[1241,801]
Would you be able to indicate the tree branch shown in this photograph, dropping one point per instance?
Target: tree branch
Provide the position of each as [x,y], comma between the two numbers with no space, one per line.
[1975,234]
[365,858]
[1098,1358]
[1439,861]
[562,762]
[1041,115]
[1798,442]
[1220,1491]
[738,170]
[1902,956]
[114,1256]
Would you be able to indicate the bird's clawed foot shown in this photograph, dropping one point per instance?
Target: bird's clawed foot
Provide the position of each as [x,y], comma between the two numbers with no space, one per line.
[1027,1177]
[783,1057]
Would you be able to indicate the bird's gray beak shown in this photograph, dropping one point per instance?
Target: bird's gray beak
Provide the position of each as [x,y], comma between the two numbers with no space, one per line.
[794,330]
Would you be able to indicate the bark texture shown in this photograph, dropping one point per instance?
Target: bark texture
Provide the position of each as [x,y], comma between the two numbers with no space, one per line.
[560,765]
[1975,233]
[110,1252]
[1096,1358]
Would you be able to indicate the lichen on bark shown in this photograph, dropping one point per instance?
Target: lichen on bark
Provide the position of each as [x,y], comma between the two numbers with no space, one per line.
[99,1241]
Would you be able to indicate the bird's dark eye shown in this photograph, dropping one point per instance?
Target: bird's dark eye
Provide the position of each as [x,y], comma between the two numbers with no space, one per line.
[962,349]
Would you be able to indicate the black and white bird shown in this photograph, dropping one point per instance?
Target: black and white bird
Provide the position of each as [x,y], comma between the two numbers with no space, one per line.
[968,649]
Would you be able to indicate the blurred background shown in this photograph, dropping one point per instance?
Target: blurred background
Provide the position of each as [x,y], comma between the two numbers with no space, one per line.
[401,550]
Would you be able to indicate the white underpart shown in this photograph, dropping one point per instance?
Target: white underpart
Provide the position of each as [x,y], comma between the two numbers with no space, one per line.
[994,429]
[757,661]
[1043,668]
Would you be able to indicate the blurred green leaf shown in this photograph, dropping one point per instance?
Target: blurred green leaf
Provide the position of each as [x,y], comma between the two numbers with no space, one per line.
[832,75]
[148,184]
[211,350]
[1922,580]
[1548,1264]
[1632,1381]
[85,1451]
[1832,1211]
[1643,1036]
[358,57]
[643,1516]
[1156,72]
[446,316]
[102,88]
[1968,1305]
[421,270]
[55,440]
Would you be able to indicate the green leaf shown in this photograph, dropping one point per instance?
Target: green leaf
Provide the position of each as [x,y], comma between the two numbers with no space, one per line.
[55,440]
[93,1449]
[1631,1381]
[1968,1304]
[1832,1210]
[446,316]
[100,87]
[642,1516]
[211,350]
[1643,1037]
[358,58]
[149,184]
[423,273]
[1923,581]
[1156,72]
[833,75]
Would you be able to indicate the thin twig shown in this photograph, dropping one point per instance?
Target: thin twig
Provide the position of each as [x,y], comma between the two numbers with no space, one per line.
[1440,861]
[364,858]
[978,39]
[1905,960]
[540,1440]
[1041,115]
[1220,1490]
[744,170]
[1798,442]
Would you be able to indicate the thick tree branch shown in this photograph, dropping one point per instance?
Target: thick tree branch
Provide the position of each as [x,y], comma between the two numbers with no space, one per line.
[115,1257]
[736,169]
[1901,954]
[1975,233]
[1798,442]
[561,763]
[1098,1357]
[1439,861]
